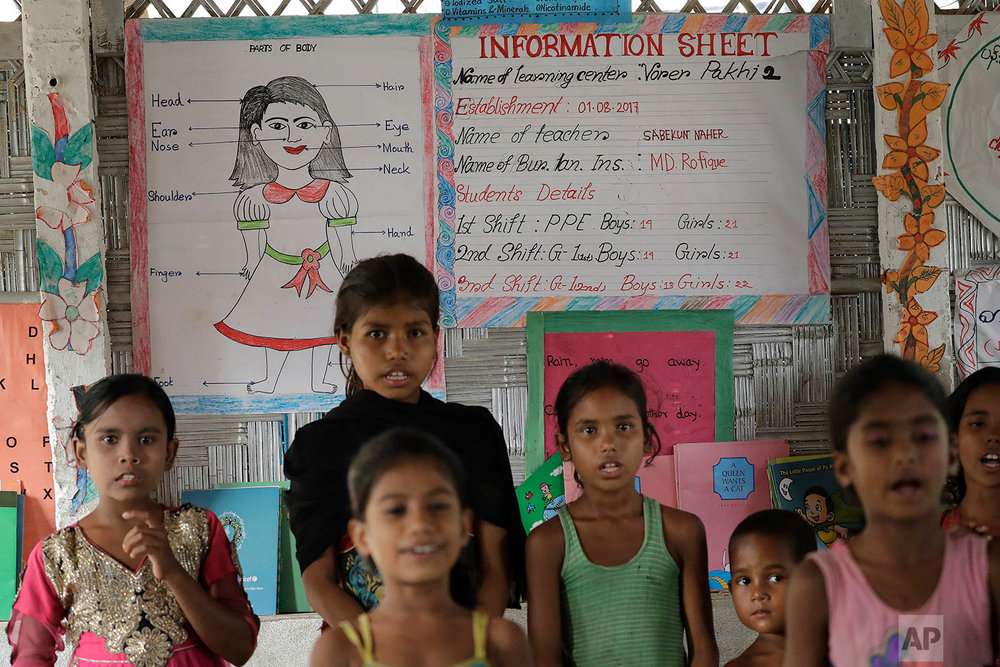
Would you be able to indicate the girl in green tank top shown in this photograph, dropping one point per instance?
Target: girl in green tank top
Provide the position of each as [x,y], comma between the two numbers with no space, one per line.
[408,497]
[618,579]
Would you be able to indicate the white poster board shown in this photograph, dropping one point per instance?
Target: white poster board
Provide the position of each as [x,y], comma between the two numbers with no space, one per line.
[243,258]
[677,161]
[970,64]
[638,166]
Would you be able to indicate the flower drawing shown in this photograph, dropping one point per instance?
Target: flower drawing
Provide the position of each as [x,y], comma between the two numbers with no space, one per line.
[73,314]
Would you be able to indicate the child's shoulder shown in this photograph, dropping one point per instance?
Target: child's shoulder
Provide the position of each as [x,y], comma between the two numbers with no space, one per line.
[547,534]
[680,523]
[506,643]
[335,649]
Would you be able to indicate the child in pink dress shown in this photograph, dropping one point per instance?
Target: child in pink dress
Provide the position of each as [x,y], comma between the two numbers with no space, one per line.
[133,582]
[902,591]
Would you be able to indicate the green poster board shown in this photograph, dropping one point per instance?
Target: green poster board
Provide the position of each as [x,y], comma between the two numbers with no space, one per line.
[685,358]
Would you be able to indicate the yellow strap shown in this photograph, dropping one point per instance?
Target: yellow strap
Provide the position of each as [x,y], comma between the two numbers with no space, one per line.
[362,642]
[480,623]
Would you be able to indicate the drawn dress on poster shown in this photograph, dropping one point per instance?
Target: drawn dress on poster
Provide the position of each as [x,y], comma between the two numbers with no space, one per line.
[295,214]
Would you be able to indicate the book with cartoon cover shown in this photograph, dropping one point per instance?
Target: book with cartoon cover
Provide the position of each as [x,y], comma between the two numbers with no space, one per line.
[542,493]
[807,485]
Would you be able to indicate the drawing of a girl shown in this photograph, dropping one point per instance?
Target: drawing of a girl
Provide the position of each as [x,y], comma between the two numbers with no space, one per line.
[295,215]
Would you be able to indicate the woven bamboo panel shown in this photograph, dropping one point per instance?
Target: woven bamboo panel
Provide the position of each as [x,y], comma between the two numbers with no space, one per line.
[783,374]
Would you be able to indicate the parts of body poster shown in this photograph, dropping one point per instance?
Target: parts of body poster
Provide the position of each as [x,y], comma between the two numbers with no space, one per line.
[674,161]
[268,157]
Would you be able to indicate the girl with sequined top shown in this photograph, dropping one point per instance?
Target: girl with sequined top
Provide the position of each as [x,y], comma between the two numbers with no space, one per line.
[133,582]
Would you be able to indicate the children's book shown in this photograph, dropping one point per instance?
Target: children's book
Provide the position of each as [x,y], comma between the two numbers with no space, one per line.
[808,486]
[541,494]
[11,530]
[251,517]
[723,483]
[291,593]
[655,479]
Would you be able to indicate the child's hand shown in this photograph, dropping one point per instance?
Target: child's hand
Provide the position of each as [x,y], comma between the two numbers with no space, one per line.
[149,538]
[971,528]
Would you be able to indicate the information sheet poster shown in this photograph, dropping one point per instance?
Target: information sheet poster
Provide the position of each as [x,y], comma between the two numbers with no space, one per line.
[673,157]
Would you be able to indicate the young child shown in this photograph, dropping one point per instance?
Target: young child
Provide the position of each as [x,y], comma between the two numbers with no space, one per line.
[619,579]
[974,421]
[411,518]
[884,595]
[133,582]
[386,327]
[764,550]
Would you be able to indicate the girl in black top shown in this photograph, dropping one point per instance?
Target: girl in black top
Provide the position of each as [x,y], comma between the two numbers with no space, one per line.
[386,328]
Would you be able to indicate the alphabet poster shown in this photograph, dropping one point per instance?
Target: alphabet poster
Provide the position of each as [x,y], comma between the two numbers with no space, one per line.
[684,359]
[977,327]
[971,131]
[26,454]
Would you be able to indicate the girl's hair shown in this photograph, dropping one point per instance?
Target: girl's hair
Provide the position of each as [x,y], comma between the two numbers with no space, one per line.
[104,393]
[382,281]
[596,376]
[391,449]
[954,489]
[870,377]
[253,166]
[778,526]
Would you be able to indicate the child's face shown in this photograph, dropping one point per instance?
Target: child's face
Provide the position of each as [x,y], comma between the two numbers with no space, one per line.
[290,134]
[897,454]
[816,509]
[979,437]
[761,567]
[414,525]
[393,349]
[605,439]
[126,450]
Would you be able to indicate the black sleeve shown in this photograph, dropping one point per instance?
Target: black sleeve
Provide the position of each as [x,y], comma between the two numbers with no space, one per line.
[317,500]
[497,499]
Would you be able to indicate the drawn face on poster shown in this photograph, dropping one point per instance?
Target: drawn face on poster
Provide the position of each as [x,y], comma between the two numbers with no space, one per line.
[977,319]
[676,367]
[291,135]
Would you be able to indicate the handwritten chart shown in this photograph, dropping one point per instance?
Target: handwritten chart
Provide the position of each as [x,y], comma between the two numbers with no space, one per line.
[684,359]
[269,156]
[636,166]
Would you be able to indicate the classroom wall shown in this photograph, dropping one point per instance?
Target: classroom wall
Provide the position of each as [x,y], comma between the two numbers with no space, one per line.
[783,373]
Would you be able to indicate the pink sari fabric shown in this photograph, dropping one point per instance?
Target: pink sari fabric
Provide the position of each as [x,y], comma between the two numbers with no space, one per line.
[36,627]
